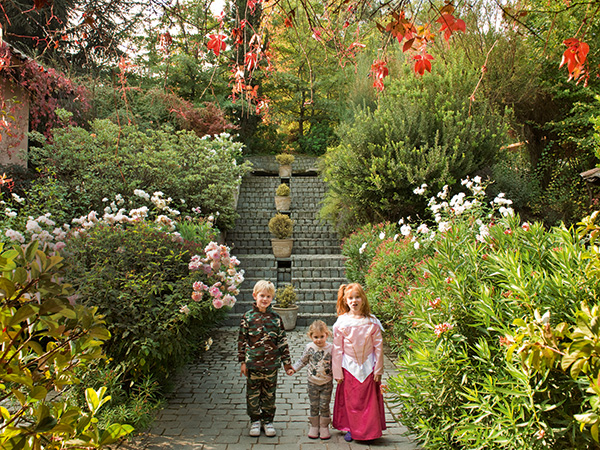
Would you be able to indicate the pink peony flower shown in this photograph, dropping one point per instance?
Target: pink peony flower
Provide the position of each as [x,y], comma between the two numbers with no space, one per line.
[196,296]
[200,286]
[218,303]
[215,292]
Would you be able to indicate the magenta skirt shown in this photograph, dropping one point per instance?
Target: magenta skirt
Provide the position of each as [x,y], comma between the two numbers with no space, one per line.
[358,408]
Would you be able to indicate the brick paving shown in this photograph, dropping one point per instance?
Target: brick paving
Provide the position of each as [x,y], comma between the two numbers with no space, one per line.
[207,408]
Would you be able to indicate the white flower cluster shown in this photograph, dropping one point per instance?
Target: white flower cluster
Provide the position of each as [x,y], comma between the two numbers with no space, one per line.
[504,204]
[42,229]
[443,211]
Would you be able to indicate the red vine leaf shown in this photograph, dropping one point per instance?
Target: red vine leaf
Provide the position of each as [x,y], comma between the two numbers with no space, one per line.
[251,61]
[575,57]
[450,24]
[422,63]
[379,71]
[400,27]
[216,43]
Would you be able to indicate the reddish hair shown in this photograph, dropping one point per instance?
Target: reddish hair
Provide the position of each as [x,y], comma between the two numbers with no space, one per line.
[344,290]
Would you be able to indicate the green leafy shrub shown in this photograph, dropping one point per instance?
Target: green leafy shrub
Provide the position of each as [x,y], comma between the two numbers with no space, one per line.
[491,286]
[139,278]
[415,135]
[109,160]
[46,343]
[360,247]
[395,270]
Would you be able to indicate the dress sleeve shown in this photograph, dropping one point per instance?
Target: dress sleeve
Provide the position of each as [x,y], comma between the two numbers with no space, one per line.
[377,338]
[337,353]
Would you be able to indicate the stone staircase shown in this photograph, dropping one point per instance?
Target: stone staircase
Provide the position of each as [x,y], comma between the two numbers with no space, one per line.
[316,267]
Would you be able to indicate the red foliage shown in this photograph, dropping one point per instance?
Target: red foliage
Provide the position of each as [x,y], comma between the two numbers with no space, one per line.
[450,24]
[202,121]
[379,71]
[216,43]
[48,90]
[422,63]
[575,58]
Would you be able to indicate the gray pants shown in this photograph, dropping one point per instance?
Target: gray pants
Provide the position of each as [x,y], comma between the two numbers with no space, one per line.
[319,397]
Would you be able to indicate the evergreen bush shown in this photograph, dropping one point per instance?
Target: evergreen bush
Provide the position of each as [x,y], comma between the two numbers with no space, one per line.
[139,278]
[281,226]
[285,158]
[283,190]
[285,297]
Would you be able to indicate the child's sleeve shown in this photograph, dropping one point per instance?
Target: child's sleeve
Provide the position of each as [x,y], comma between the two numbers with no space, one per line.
[284,350]
[242,342]
[377,338]
[337,354]
[303,361]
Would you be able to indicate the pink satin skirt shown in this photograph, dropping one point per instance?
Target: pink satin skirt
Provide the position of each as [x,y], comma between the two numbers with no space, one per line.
[358,408]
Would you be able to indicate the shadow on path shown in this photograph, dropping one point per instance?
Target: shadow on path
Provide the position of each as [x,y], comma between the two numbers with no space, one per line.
[207,409]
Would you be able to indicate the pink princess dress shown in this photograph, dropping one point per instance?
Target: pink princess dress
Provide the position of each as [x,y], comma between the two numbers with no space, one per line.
[356,357]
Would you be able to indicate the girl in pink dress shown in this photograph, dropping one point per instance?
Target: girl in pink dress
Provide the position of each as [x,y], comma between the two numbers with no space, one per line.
[357,363]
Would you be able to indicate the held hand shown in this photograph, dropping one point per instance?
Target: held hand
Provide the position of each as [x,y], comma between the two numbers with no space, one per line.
[377,378]
[289,369]
[244,370]
[339,380]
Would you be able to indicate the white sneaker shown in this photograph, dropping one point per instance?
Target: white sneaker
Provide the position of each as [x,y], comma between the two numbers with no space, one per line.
[269,429]
[255,429]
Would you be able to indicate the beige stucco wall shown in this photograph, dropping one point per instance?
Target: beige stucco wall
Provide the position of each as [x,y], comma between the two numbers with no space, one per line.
[13,146]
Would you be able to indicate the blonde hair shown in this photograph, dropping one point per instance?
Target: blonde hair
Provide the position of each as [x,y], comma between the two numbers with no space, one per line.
[343,291]
[316,326]
[264,286]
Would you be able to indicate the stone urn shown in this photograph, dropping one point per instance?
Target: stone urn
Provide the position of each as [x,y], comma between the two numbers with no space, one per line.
[282,248]
[283,203]
[289,316]
[285,171]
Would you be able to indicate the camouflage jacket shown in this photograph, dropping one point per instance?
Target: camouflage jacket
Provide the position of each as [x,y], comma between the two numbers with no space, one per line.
[262,342]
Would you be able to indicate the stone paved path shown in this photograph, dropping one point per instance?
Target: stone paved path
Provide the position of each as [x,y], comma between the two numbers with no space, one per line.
[207,410]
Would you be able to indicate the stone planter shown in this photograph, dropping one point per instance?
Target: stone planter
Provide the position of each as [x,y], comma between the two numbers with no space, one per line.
[283,203]
[288,316]
[282,248]
[285,171]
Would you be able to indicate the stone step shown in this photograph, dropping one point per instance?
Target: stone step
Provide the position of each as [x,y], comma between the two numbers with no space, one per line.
[301,247]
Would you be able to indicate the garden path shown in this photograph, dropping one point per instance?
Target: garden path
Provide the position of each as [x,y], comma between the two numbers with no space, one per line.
[207,409]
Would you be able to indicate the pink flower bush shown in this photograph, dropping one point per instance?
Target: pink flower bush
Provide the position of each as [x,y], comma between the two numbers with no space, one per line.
[220,267]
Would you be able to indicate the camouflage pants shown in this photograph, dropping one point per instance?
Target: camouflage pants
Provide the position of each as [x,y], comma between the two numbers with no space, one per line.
[260,395]
[319,397]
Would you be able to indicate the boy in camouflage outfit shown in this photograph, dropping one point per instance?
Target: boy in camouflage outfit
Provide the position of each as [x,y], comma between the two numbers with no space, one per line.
[262,347]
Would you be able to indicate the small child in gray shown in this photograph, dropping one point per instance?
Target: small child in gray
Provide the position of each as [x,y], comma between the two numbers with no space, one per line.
[317,359]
